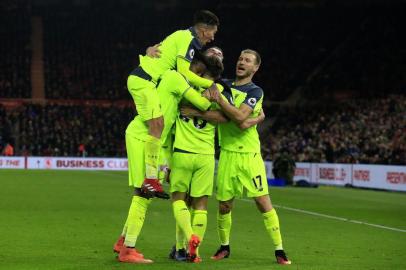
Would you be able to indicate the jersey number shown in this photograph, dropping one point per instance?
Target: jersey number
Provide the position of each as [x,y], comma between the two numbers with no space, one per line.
[258,182]
[197,122]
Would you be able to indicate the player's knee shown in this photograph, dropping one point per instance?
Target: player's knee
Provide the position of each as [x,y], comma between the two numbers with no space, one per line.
[176,196]
[225,208]
[263,203]
[200,203]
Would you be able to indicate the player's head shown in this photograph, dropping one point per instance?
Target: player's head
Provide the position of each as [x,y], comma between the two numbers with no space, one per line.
[207,66]
[248,63]
[215,51]
[205,23]
[214,67]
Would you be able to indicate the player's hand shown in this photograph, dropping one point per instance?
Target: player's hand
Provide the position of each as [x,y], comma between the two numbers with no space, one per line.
[188,111]
[244,125]
[213,93]
[154,51]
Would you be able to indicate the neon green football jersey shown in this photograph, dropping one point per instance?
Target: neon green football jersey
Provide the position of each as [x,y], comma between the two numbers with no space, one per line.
[194,135]
[182,43]
[171,90]
[231,137]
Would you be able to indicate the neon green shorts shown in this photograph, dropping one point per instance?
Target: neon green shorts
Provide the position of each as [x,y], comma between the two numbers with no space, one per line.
[192,173]
[136,161]
[237,171]
[145,96]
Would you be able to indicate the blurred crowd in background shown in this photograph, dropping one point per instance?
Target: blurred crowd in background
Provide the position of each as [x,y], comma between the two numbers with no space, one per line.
[346,64]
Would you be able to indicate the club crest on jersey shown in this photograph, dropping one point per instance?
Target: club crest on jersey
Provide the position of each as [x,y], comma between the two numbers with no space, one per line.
[252,101]
[191,53]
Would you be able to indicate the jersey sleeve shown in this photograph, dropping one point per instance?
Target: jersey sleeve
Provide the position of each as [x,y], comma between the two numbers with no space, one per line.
[191,49]
[185,90]
[180,84]
[197,100]
[183,67]
[253,97]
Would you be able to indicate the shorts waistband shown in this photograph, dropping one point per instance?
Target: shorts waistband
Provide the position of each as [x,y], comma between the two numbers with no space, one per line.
[182,151]
[140,72]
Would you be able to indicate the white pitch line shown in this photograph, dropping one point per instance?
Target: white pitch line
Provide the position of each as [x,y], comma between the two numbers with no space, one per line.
[311,213]
[333,217]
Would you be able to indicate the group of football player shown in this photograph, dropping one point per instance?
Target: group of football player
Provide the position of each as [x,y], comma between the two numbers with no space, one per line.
[182,101]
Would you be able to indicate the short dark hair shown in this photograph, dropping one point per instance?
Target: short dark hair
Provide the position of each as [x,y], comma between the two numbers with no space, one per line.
[213,64]
[205,17]
[255,53]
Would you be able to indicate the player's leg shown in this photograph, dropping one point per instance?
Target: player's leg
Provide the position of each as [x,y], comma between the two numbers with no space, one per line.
[148,107]
[181,175]
[227,189]
[199,220]
[139,203]
[201,188]
[255,181]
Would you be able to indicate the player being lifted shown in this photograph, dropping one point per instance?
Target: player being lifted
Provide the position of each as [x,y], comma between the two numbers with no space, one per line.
[177,50]
[172,88]
[241,165]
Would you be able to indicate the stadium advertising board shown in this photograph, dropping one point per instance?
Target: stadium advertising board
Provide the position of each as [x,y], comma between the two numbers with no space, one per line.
[72,163]
[369,176]
[332,174]
[303,171]
[12,162]
[379,176]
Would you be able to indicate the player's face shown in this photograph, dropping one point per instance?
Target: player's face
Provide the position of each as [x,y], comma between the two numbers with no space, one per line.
[213,51]
[208,33]
[246,65]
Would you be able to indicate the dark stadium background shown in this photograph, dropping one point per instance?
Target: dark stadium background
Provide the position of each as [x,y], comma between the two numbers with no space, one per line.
[333,73]
[334,78]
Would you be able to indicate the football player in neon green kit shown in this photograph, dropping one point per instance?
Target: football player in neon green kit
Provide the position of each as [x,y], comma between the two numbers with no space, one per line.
[192,169]
[241,165]
[177,50]
[172,88]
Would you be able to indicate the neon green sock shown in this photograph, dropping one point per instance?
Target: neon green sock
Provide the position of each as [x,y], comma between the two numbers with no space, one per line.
[180,238]
[124,232]
[182,217]
[199,224]
[271,222]
[224,228]
[135,219]
[152,149]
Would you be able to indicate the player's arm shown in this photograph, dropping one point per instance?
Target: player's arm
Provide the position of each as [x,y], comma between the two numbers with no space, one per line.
[197,99]
[183,67]
[214,117]
[249,122]
[237,115]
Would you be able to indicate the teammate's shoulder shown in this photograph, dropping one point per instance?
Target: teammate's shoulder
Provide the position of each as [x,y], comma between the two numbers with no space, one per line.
[229,82]
[182,33]
[255,89]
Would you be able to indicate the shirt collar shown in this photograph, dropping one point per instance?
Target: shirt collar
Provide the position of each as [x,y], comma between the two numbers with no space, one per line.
[194,34]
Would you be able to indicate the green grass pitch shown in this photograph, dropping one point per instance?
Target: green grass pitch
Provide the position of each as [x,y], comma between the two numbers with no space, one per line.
[70,220]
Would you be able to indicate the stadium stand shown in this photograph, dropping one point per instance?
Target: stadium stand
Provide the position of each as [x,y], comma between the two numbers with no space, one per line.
[59,130]
[328,53]
[368,131]
[15,51]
